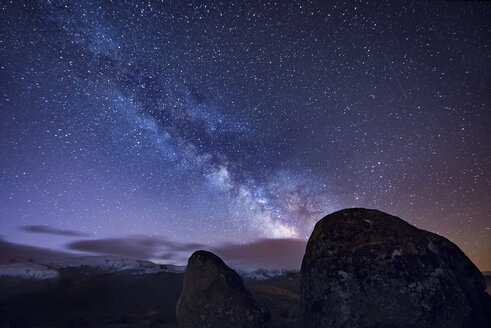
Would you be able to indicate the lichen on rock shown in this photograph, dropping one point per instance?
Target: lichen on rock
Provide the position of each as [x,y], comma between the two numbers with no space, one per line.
[366,268]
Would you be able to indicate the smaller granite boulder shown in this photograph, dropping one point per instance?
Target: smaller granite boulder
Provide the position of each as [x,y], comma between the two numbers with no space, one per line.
[213,295]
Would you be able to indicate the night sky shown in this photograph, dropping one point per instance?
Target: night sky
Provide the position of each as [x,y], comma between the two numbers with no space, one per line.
[150,129]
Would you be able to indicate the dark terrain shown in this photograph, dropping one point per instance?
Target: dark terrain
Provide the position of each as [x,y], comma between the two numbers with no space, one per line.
[123,299]
[120,299]
[281,295]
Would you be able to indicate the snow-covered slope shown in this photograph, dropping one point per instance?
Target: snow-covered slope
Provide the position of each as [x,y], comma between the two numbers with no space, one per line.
[111,263]
[260,274]
[107,264]
[28,270]
[86,264]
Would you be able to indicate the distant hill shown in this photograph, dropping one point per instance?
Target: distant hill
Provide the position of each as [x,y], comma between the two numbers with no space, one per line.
[107,291]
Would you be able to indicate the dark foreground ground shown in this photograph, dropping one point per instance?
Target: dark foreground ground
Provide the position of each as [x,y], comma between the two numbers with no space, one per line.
[123,299]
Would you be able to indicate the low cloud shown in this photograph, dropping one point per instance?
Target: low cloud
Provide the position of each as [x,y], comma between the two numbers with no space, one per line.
[12,252]
[52,231]
[264,253]
[135,246]
[120,247]
[286,253]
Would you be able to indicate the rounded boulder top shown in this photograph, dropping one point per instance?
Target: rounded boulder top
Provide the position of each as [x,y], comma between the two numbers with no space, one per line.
[213,295]
[366,268]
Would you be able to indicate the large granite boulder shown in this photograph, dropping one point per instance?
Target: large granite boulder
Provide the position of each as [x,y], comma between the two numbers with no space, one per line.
[214,296]
[365,268]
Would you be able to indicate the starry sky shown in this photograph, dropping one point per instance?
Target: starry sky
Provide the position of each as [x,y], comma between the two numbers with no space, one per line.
[152,128]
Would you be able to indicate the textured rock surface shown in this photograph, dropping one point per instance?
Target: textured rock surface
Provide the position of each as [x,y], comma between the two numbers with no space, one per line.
[365,268]
[214,296]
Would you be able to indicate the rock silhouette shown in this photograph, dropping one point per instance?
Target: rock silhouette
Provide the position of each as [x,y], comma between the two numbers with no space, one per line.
[365,268]
[213,295]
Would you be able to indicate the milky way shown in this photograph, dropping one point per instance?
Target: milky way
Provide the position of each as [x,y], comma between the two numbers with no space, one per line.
[221,123]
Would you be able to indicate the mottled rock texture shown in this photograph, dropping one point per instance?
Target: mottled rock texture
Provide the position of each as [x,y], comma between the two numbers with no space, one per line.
[214,296]
[365,268]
